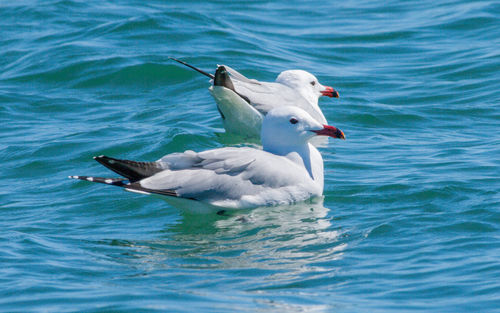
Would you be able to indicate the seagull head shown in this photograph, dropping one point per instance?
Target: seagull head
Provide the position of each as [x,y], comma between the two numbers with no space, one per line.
[306,84]
[289,126]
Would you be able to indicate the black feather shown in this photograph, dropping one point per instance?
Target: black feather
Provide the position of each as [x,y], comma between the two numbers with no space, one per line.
[132,170]
[222,78]
[137,187]
[103,180]
[121,182]
[194,68]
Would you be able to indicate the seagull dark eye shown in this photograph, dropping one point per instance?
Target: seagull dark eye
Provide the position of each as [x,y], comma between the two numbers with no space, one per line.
[313,83]
[293,120]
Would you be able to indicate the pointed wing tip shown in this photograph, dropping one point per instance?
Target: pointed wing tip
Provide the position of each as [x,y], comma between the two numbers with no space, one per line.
[193,67]
[138,191]
[87,178]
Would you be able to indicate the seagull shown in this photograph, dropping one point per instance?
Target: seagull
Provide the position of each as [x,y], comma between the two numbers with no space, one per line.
[243,102]
[288,169]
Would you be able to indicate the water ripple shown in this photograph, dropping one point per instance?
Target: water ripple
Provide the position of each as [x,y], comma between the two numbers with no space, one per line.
[410,215]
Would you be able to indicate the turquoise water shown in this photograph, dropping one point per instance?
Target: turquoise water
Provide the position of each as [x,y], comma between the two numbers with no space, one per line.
[411,215]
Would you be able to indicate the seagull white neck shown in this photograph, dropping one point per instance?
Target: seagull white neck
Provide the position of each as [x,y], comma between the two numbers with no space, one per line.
[313,100]
[309,96]
[311,158]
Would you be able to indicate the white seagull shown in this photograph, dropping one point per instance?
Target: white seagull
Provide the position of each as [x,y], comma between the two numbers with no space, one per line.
[287,170]
[243,102]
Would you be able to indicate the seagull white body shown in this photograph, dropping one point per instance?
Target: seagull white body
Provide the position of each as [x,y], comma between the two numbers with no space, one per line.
[243,102]
[288,169]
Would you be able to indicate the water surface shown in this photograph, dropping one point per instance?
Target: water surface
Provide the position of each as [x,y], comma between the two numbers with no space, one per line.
[410,220]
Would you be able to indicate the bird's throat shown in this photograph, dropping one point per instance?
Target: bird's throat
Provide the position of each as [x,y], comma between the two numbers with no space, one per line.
[298,154]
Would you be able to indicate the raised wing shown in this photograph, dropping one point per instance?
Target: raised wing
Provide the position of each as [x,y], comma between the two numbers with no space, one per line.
[238,76]
[265,96]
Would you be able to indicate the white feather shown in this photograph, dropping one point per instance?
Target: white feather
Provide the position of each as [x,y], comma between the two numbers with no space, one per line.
[290,169]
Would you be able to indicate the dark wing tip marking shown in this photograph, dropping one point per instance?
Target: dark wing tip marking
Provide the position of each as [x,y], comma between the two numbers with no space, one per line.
[135,187]
[102,180]
[121,182]
[222,78]
[129,186]
[132,170]
[194,68]
[243,97]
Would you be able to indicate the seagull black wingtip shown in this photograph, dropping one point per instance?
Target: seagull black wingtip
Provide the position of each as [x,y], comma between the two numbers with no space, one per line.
[194,68]
[222,78]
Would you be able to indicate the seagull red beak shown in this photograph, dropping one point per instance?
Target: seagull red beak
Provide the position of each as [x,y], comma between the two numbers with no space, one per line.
[330,92]
[330,131]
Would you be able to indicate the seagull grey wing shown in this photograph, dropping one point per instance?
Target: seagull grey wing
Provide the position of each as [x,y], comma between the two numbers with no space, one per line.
[228,176]
[235,75]
[264,96]
[177,161]
[231,163]
[267,96]
[203,175]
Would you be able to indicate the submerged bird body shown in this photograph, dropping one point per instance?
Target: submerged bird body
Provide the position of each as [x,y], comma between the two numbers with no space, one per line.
[289,169]
[243,102]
